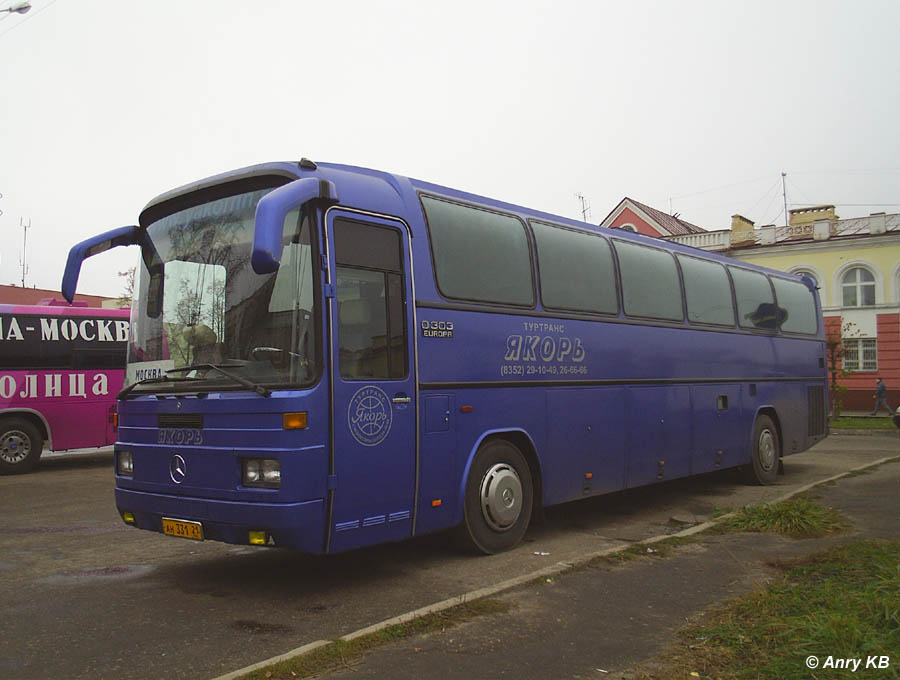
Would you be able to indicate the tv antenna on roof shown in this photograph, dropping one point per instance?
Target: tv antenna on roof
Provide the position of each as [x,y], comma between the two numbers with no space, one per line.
[585,206]
[25,228]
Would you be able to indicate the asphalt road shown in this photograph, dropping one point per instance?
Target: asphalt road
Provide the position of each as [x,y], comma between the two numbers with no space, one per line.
[84,596]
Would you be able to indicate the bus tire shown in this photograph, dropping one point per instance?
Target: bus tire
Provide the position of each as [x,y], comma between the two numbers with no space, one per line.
[766,453]
[499,498]
[21,445]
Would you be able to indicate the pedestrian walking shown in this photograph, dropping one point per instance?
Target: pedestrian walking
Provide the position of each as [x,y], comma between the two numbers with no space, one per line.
[881,398]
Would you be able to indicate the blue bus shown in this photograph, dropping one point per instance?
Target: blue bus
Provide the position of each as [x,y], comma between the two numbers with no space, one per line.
[325,357]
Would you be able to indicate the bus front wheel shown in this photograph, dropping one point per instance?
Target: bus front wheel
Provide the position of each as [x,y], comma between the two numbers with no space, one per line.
[499,498]
[21,444]
[766,453]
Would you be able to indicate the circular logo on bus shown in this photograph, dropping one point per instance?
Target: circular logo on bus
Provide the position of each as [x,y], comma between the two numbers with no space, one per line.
[369,415]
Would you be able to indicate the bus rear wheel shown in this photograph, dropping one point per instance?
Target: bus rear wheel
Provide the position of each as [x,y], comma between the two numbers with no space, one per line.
[21,444]
[766,453]
[499,498]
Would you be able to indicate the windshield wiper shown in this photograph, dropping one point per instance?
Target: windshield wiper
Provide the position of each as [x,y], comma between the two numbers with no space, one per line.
[158,379]
[259,389]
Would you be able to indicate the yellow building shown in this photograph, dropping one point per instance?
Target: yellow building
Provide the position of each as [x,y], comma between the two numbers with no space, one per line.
[856,265]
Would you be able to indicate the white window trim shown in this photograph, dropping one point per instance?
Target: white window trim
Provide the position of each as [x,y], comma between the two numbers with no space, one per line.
[895,282]
[837,283]
[859,369]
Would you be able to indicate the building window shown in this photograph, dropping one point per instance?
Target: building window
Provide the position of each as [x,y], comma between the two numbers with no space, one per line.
[860,354]
[627,227]
[858,287]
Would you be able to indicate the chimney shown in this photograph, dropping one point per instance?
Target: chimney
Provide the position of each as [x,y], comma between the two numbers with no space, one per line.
[877,223]
[741,229]
[801,216]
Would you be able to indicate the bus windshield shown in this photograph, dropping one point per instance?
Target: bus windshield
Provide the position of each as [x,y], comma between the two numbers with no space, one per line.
[198,302]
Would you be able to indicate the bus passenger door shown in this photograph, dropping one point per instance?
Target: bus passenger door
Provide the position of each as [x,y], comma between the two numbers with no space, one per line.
[373,378]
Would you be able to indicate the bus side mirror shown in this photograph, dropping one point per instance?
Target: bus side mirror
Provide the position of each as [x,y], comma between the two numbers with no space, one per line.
[271,211]
[123,236]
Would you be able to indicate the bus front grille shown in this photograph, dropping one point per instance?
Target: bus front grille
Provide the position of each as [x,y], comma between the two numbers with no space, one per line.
[179,420]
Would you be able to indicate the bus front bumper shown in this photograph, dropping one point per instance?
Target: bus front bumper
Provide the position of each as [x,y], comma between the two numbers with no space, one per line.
[300,526]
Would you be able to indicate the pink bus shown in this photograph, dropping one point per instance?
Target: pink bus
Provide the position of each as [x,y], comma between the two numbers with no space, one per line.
[61,368]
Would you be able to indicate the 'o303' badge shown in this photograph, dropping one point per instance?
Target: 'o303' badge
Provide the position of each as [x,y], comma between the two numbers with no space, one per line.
[369,415]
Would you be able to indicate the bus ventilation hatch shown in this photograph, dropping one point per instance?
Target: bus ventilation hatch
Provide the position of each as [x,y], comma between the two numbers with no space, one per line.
[816,410]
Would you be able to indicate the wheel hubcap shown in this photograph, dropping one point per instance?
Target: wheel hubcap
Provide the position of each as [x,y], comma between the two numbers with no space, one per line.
[766,450]
[15,447]
[501,496]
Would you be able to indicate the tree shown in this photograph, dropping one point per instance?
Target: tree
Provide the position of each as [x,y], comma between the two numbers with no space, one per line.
[834,346]
[128,292]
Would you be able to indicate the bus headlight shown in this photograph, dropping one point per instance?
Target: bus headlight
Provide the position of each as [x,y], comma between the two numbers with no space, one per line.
[124,464]
[262,472]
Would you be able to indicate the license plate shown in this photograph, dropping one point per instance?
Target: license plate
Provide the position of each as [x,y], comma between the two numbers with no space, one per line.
[182,528]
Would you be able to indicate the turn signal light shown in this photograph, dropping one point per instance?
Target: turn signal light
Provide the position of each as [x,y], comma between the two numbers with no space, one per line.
[294,421]
[257,537]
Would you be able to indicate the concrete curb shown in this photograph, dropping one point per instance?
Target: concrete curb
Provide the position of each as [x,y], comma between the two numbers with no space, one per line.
[870,433]
[546,572]
[293,654]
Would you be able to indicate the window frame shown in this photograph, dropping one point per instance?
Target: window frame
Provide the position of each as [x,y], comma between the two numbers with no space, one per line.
[613,260]
[708,324]
[478,206]
[404,302]
[753,329]
[859,365]
[813,297]
[671,253]
[858,286]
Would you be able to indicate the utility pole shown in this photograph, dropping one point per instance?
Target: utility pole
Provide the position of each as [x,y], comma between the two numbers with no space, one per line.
[585,206]
[784,196]
[25,228]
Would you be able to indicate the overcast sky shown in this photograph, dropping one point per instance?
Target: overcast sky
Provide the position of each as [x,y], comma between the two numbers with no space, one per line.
[697,106]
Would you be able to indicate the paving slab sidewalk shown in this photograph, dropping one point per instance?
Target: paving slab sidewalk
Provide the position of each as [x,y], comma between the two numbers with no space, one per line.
[599,620]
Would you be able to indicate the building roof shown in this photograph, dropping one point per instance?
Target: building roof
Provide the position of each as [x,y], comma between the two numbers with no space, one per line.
[672,223]
[16,295]
[820,231]
[668,225]
[842,228]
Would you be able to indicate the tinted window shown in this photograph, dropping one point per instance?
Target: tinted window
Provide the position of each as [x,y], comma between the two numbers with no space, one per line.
[364,245]
[32,342]
[650,284]
[755,304]
[797,300]
[707,291]
[479,255]
[370,300]
[576,270]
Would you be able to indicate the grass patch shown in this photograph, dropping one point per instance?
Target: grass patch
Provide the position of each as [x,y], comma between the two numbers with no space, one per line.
[798,517]
[844,602]
[862,423]
[659,549]
[719,511]
[342,654]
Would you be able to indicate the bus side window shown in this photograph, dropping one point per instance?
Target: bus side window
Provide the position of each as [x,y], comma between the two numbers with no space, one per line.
[755,301]
[799,306]
[370,304]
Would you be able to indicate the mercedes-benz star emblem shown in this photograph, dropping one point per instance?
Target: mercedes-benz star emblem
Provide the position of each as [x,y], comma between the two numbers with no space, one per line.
[177,469]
